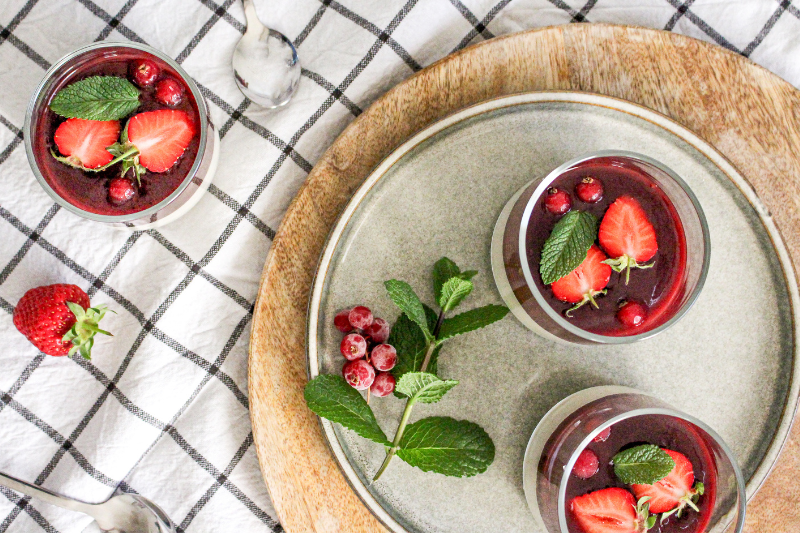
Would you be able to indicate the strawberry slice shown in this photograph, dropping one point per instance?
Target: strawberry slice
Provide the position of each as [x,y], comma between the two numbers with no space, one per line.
[84,142]
[611,511]
[673,493]
[627,235]
[585,282]
[160,137]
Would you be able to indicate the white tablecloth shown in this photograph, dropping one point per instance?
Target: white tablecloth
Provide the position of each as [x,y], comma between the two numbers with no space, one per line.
[162,408]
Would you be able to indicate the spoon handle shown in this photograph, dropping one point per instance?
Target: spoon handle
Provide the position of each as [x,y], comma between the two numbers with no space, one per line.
[254,25]
[44,494]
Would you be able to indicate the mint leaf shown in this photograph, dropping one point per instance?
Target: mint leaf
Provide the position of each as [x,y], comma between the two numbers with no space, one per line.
[566,247]
[453,292]
[406,299]
[468,274]
[471,320]
[447,446]
[410,343]
[97,98]
[424,387]
[642,465]
[443,270]
[331,397]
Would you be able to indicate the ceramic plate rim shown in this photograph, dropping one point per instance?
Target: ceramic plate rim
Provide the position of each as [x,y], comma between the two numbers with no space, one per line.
[790,405]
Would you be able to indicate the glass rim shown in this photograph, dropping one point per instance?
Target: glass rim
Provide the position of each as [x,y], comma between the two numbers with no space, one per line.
[551,313]
[737,472]
[36,100]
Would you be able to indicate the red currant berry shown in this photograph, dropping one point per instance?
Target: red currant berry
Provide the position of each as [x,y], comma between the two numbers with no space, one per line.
[144,72]
[557,201]
[586,465]
[378,331]
[631,314]
[383,357]
[360,317]
[353,347]
[589,190]
[341,321]
[359,374]
[169,92]
[383,385]
[120,190]
[603,435]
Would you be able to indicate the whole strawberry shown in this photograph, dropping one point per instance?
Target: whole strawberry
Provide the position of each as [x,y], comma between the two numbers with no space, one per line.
[57,319]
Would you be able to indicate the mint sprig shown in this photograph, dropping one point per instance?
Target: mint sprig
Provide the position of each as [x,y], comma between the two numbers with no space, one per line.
[566,247]
[436,444]
[642,465]
[97,98]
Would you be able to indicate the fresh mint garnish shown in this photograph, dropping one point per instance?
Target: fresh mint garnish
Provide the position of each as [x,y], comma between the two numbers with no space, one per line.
[424,387]
[407,300]
[97,98]
[642,465]
[443,270]
[331,397]
[454,291]
[412,346]
[447,446]
[471,320]
[566,247]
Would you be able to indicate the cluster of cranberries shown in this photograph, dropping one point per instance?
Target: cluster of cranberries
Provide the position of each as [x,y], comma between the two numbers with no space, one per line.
[146,73]
[589,190]
[364,346]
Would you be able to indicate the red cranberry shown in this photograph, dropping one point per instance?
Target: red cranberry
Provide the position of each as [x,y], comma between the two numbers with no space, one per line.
[120,190]
[342,323]
[603,435]
[632,314]
[383,385]
[557,201]
[378,331]
[353,347]
[359,374]
[360,317]
[145,72]
[586,465]
[589,190]
[169,92]
[383,357]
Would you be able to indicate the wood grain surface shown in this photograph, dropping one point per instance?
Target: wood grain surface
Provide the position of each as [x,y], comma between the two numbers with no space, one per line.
[747,113]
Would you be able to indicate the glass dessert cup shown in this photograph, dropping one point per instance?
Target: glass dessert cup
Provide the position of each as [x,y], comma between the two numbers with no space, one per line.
[199,162]
[517,276]
[573,424]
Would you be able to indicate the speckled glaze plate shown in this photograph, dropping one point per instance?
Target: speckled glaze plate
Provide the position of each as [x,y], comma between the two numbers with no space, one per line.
[730,361]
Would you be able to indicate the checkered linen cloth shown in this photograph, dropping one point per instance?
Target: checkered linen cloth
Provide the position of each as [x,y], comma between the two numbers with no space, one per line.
[162,409]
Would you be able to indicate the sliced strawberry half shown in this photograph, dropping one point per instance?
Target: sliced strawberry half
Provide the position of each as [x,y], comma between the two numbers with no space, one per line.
[675,492]
[160,137]
[585,282]
[83,143]
[627,235]
[611,511]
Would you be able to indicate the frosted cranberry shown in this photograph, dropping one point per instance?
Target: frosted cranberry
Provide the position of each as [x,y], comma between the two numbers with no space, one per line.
[359,374]
[557,201]
[632,314]
[360,317]
[383,357]
[169,92]
[341,321]
[586,465]
[603,435]
[120,190]
[144,72]
[589,190]
[353,347]
[378,331]
[383,385]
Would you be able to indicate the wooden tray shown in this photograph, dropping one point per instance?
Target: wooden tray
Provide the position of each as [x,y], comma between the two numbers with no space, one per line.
[750,115]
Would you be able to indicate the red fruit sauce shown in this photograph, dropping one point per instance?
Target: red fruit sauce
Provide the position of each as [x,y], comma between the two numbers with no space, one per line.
[89,190]
[659,289]
[663,431]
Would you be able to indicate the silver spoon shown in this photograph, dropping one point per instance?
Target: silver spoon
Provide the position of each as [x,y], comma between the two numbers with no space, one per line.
[265,63]
[121,513]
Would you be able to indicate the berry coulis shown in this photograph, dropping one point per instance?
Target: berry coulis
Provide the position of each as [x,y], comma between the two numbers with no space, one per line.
[663,431]
[90,190]
[659,289]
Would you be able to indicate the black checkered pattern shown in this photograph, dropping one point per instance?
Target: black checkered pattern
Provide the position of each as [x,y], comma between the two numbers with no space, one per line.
[162,409]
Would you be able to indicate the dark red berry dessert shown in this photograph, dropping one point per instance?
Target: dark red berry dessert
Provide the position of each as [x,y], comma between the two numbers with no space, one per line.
[632,278]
